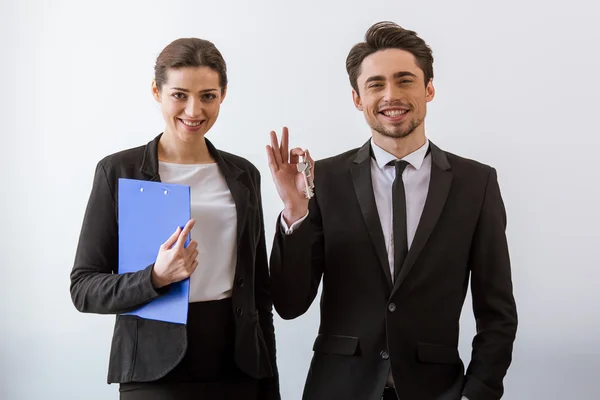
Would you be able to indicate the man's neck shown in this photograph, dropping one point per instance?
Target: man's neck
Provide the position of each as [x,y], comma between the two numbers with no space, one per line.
[400,147]
[173,150]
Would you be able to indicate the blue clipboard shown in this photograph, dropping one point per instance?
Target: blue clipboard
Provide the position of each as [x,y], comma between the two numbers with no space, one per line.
[149,213]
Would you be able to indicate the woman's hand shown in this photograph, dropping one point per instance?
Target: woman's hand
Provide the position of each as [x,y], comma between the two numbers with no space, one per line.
[175,262]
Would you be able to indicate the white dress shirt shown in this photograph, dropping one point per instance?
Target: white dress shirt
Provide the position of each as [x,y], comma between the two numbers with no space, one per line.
[416,178]
[213,208]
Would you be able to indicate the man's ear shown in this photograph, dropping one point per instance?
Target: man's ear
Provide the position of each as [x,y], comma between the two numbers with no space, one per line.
[429,91]
[357,100]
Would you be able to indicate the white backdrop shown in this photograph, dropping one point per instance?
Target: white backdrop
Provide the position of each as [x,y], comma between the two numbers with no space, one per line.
[517,85]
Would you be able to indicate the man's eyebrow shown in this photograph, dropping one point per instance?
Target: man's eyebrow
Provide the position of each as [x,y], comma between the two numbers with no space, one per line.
[374,79]
[397,75]
[402,74]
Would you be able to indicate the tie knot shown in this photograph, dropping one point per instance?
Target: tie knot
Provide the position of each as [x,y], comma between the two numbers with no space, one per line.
[400,165]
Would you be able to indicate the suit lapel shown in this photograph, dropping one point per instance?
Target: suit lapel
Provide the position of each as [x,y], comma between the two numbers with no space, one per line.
[363,186]
[439,186]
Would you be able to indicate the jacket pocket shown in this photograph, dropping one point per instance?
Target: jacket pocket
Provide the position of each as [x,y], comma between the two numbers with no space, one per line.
[252,353]
[438,354]
[123,349]
[335,344]
[264,353]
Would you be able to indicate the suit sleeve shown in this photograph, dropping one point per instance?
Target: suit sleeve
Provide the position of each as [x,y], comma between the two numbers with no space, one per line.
[493,302]
[297,264]
[95,285]
[269,387]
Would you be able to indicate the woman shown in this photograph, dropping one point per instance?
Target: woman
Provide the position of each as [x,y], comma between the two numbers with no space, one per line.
[227,348]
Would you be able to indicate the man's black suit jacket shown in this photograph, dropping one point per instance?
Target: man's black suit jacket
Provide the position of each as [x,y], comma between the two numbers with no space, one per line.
[369,324]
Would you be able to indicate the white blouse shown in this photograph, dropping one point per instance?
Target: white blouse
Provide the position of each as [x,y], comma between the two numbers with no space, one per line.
[213,208]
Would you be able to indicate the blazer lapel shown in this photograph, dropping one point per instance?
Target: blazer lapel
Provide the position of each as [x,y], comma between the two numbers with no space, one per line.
[239,192]
[439,186]
[241,197]
[149,165]
[363,186]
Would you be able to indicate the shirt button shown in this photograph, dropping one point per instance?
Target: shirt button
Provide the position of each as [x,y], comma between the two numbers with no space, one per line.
[385,355]
[239,311]
[240,282]
[392,307]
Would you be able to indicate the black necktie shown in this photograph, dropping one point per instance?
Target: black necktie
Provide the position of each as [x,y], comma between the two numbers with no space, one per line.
[399,218]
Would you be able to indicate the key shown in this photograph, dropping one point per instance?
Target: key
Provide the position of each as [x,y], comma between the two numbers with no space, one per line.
[305,167]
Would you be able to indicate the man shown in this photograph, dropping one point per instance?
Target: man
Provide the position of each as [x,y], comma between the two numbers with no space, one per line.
[396,229]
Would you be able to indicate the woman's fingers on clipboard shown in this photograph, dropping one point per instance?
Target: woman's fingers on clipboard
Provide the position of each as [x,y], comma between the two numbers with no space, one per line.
[184,234]
[192,251]
[175,262]
[171,240]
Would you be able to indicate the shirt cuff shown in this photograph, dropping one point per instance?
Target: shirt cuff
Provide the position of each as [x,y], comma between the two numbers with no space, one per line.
[295,225]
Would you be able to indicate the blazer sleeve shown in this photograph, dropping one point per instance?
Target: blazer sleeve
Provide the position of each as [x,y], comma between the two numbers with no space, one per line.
[493,302]
[269,387]
[297,263]
[96,286]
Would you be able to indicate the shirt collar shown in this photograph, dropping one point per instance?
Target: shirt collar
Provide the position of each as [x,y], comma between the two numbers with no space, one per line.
[415,158]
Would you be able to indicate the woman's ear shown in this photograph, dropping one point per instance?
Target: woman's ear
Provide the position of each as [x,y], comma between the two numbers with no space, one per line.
[155,91]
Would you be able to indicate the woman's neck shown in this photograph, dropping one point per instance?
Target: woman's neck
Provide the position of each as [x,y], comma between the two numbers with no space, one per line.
[172,149]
